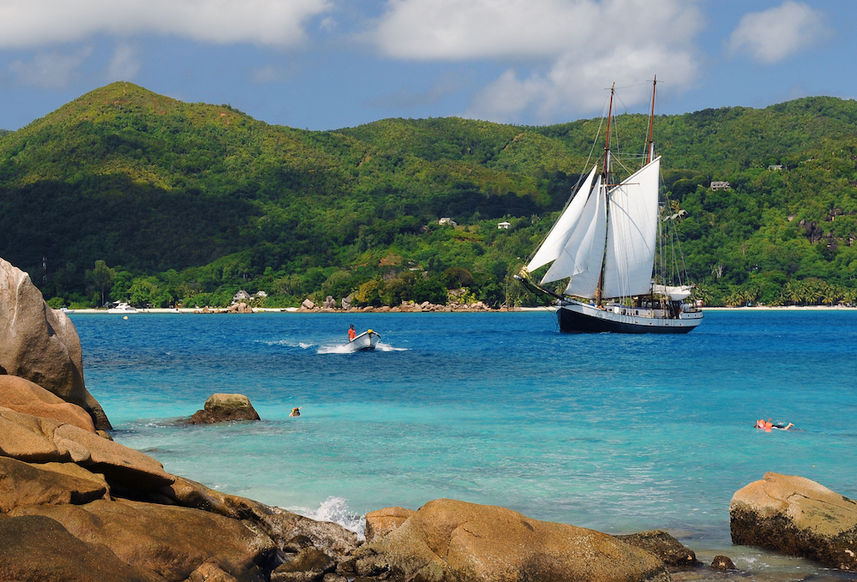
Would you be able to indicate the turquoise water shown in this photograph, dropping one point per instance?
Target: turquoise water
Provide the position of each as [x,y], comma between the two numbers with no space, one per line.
[612,432]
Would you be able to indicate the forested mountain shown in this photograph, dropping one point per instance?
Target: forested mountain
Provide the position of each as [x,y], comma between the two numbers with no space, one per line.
[126,194]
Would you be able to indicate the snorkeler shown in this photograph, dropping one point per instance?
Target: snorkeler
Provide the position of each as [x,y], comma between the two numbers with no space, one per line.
[767,425]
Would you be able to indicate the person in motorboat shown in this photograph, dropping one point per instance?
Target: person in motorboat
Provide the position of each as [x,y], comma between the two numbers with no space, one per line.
[767,425]
[352,333]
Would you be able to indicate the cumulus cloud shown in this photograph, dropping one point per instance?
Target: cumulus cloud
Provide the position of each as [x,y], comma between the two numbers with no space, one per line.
[455,30]
[49,70]
[561,54]
[775,34]
[29,23]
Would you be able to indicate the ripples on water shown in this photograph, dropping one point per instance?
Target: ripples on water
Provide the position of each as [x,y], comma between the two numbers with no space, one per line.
[617,433]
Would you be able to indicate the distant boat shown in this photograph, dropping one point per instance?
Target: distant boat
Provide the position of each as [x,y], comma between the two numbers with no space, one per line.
[122,308]
[365,341]
[604,243]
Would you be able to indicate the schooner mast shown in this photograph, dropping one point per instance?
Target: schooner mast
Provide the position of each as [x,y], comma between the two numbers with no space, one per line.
[650,140]
[605,173]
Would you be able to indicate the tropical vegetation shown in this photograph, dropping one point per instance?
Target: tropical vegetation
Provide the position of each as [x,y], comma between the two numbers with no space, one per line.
[124,194]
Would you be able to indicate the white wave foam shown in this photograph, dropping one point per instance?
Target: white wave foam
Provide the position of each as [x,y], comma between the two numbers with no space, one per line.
[336,509]
[287,343]
[346,349]
[388,348]
[335,349]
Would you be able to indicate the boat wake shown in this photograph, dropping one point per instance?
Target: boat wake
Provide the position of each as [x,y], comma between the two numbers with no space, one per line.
[335,349]
[287,343]
[347,349]
[382,347]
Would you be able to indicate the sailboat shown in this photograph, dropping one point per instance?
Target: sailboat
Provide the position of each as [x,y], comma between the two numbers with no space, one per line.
[604,243]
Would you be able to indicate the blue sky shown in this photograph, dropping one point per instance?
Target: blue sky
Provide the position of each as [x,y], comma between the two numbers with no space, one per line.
[326,64]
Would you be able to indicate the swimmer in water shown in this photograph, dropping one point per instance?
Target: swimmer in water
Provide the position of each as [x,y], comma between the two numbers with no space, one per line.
[767,425]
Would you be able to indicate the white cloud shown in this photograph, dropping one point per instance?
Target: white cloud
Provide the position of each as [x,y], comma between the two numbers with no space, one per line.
[33,23]
[455,30]
[124,64]
[775,34]
[49,70]
[560,54]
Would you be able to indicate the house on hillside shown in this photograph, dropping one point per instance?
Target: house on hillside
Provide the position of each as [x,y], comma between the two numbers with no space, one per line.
[504,225]
[241,297]
[720,185]
[446,221]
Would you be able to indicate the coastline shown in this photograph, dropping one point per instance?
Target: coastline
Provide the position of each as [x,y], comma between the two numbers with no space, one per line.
[219,310]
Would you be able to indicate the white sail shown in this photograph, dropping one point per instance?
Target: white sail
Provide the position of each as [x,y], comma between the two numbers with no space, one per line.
[558,235]
[632,232]
[604,245]
[674,292]
[585,248]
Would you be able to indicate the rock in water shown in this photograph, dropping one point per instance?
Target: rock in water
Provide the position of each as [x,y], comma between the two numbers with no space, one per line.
[41,344]
[224,408]
[798,517]
[671,551]
[722,563]
[449,540]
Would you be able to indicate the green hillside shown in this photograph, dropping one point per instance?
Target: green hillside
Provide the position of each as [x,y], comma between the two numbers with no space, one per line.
[126,194]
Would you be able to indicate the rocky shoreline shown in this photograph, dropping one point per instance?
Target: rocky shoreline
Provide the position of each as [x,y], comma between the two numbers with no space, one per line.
[76,505]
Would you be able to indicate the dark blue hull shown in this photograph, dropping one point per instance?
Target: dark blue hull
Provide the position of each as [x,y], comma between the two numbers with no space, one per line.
[579,321]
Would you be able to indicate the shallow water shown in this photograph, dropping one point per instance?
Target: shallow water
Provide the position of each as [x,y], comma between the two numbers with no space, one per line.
[612,432]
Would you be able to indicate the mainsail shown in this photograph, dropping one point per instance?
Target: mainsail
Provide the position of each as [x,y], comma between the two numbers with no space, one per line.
[632,233]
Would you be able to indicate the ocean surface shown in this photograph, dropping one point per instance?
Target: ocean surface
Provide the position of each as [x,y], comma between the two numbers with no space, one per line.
[617,433]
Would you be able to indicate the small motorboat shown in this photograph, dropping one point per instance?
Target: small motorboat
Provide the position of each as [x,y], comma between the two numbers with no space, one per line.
[122,308]
[365,341]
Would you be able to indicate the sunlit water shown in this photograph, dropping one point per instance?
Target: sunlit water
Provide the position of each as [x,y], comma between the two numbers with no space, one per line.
[613,432]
